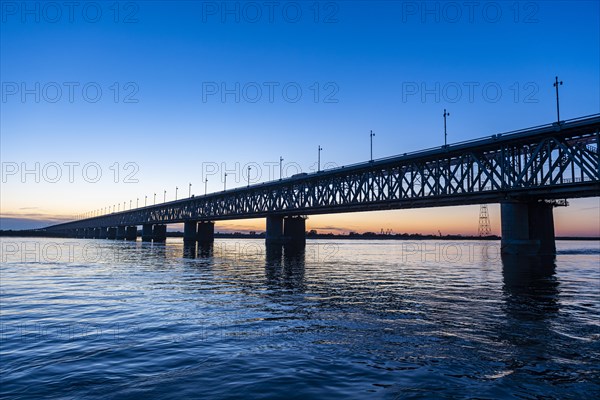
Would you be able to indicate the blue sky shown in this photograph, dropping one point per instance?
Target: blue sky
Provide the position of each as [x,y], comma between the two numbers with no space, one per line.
[389,66]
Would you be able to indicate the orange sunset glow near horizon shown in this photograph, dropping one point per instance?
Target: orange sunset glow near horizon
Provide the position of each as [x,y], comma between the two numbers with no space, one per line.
[580,219]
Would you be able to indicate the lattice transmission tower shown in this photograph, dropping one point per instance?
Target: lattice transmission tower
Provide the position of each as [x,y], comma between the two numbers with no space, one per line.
[485,228]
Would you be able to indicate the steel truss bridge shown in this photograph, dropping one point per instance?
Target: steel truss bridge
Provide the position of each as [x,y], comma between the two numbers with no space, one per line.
[554,161]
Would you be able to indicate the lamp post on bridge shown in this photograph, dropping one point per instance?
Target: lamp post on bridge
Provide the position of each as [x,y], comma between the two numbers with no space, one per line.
[446,114]
[280,167]
[319,159]
[165,196]
[176,188]
[556,85]
[371,137]
[137,203]
[205,186]
[225,181]
[145,200]
[125,202]
[154,198]
[190,190]
[249,168]
[130,201]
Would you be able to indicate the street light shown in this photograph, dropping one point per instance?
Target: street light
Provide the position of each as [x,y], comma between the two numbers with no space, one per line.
[556,85]
[319,159]
[176,189]
[225,182]
[280,167]
[371,136]
[205,186]
[137,203]
[249,168]
[130,201]
[190,190]
[154,198]
[446,114]
[165,197]
[145,200]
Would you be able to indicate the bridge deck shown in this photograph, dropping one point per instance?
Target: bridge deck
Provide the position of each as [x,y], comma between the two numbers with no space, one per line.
[545,162]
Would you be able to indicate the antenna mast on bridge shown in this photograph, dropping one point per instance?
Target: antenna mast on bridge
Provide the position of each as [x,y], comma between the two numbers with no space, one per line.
[484,221]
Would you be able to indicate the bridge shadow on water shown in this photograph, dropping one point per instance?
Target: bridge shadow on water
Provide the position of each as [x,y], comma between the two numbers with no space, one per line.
[530,287]
[284,264]
[531,308]
[285,267]
[203,250]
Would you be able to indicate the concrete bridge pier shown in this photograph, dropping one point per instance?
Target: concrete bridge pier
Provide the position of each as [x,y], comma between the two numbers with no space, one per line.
[121,232]
[103,234]
[527,228]
[111,233]
[294,231]
[159,233]
[274,231]
[190,231]
[131,233]
[206,232]
[147,233]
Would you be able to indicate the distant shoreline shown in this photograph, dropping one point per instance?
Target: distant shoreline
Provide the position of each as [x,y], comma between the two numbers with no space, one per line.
[353,236]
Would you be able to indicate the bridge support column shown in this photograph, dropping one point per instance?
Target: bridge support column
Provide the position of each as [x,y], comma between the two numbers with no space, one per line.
[147,233]
[527,228]
[111,233]
[541,226]
[89,233]
[159,233]
[103,233]
[190,231]
[121,232]
[274,231]
[294,231]
[206,232]
[131,233]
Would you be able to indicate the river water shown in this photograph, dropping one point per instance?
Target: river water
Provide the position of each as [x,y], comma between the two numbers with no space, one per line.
[101,319]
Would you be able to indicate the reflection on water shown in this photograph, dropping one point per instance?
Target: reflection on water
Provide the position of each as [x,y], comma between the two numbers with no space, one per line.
[337,319]
[200,250]
[530,287]
[290,273]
